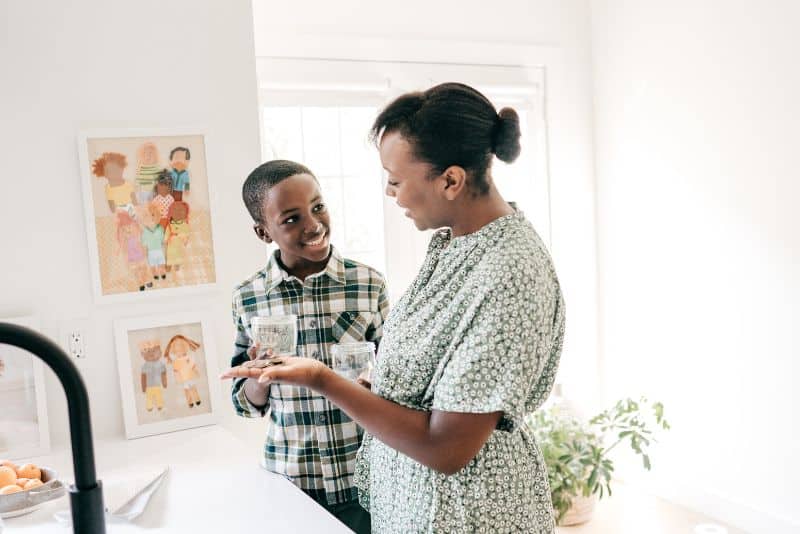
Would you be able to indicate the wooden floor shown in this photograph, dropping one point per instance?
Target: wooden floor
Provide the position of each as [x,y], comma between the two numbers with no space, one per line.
[628,512]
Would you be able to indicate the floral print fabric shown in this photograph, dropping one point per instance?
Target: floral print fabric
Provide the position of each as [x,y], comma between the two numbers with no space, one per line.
[480,330]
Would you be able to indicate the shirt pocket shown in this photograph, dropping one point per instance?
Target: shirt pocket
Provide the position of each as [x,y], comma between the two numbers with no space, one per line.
[350,326]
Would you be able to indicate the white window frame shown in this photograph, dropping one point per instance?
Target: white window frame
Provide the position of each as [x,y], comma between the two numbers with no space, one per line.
[558,95]
[358,77]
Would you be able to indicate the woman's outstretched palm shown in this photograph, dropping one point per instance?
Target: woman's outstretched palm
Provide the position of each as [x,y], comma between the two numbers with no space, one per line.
[284,370]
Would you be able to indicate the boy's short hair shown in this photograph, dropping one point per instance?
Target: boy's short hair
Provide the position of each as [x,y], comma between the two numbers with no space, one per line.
[264,177]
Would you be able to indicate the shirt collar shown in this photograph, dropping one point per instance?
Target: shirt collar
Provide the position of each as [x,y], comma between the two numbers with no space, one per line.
[274,273]
[444,238]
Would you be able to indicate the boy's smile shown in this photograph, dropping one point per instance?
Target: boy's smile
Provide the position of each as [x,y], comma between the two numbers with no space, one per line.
[319,242]
[297,220]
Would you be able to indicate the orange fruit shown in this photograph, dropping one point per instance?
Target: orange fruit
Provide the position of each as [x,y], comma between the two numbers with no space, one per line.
[32,483]
[7,476]
[9,463]
[29,471]
[8,490]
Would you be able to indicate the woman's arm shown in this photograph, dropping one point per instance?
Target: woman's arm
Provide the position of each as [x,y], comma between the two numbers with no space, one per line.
[444,441]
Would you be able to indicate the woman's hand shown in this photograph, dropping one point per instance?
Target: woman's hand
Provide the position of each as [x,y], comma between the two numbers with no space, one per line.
[249,369]
[293,370]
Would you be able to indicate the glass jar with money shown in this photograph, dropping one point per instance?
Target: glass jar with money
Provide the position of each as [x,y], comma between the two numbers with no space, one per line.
[275,332]
[354,360]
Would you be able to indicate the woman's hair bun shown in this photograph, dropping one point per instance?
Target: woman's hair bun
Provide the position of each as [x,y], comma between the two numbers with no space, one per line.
[507,134]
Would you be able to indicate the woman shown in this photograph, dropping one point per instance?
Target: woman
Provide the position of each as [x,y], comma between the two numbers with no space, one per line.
[472,346]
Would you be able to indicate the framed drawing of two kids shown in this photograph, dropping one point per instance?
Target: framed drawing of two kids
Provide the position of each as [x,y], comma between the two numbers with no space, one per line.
[148,214]
[168,373]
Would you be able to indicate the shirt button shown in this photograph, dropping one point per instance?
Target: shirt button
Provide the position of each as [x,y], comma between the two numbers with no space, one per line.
[313,323]
[323,418]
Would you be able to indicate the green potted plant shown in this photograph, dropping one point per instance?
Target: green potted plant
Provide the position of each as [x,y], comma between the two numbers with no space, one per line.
[577,454]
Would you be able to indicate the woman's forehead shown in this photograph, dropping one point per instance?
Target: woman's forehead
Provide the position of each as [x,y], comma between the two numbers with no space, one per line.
[394,146]
[397,153]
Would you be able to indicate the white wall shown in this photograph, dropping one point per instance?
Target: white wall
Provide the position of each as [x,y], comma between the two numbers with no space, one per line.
[68,67]
[696,140]
[429,31]
[97,64]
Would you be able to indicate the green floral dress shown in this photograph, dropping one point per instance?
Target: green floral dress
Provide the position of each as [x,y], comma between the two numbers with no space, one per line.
[480,330]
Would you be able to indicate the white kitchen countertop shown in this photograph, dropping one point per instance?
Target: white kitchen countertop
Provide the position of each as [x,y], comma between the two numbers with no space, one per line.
[215,484]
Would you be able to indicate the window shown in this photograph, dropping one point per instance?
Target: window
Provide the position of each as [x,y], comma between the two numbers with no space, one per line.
[318,112]
[331,141]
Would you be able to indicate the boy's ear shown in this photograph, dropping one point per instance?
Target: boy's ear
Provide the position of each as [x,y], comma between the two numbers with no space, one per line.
[262,234]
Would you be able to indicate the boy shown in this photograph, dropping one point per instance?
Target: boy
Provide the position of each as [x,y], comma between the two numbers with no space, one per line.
[308,440]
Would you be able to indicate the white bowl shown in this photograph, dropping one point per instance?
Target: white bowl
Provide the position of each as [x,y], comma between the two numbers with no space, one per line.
[25,502]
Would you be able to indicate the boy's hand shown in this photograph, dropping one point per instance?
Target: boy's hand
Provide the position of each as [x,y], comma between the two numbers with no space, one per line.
[253,352]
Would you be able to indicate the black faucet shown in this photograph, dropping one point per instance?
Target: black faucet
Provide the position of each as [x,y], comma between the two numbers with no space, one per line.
[86,496]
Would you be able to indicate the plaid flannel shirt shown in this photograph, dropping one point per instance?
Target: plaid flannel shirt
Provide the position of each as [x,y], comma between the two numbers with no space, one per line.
[309,440]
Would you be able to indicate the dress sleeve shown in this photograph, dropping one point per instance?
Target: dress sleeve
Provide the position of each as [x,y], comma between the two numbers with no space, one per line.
[505,344]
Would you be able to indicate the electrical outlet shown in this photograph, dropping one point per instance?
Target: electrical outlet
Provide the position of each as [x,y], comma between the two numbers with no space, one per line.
[74,335]
[76,344]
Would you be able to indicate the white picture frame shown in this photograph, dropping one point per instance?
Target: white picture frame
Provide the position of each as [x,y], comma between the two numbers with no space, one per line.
[115,276]
[24,426]
[146,411]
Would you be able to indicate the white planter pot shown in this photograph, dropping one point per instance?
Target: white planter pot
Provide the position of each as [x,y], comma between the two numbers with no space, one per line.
[580,512]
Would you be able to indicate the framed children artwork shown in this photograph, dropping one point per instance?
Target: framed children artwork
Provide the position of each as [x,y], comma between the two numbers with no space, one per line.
[148,214]
[24,430]
[167,373]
